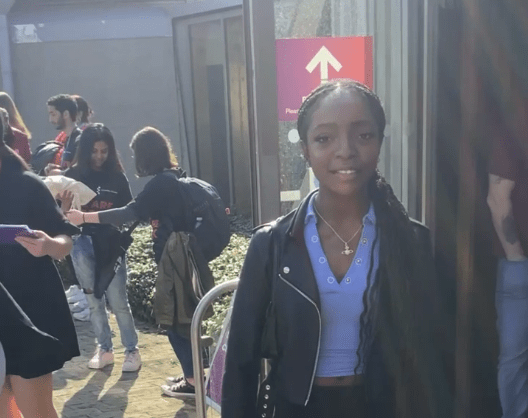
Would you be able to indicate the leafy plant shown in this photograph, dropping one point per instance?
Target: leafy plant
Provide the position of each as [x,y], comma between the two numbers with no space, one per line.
[226,267]
[142,272]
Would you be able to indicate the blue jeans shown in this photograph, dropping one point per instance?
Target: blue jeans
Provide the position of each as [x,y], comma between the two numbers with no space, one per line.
[116,294]
[511,299]
[182,348]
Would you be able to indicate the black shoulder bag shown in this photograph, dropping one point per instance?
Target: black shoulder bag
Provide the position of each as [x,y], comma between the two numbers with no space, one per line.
[269,349]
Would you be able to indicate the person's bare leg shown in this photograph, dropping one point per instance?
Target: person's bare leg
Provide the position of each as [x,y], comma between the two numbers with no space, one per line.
[4,399]
[34,397]
[12,408]
[8,406]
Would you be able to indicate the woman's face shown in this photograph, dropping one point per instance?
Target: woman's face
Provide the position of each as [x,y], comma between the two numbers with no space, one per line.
[99,155]
[343,143]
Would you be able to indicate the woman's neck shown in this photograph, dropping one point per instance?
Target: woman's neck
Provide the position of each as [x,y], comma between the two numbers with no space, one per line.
[339,208]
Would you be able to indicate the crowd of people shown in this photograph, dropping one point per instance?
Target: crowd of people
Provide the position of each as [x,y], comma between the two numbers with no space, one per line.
[37,332]
[340,295]
[356,327]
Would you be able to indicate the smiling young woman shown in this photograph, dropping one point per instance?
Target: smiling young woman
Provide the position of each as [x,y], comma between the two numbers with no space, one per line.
[98,166]
[352,285]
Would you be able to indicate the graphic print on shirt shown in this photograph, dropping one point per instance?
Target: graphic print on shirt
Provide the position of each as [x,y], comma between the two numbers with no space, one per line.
[104,200]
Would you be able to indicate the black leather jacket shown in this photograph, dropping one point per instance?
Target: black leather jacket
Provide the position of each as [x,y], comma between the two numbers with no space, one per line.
[297,307]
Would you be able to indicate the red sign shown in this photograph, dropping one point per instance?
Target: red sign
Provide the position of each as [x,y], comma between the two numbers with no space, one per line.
[303,64]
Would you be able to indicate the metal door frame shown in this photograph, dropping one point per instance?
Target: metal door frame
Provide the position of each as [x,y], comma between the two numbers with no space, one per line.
[182,40]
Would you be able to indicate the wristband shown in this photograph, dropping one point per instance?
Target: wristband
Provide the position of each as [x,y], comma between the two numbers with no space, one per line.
[83,218]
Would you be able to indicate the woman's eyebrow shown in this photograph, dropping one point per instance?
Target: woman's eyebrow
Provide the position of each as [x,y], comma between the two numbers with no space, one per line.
[363,122]
[326,125]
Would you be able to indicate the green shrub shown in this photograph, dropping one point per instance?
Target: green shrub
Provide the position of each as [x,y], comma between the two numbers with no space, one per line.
[226,267]
[142,272]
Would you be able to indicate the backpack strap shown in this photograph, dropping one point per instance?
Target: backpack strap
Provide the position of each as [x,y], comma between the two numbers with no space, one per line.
[132,227]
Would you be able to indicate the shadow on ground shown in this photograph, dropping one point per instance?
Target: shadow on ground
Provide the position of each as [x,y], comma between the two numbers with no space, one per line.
[89,402]
[77,369]
[188,410]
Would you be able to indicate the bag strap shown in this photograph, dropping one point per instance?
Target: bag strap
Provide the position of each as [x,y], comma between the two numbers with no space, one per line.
[267,396]
[131,228]
[267,393]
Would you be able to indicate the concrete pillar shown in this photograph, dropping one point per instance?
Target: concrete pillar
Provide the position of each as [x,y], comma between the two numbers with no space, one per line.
[5,57]
[5,48]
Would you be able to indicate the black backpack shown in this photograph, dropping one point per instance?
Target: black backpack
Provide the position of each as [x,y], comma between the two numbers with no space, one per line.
[206,216]
[44,154]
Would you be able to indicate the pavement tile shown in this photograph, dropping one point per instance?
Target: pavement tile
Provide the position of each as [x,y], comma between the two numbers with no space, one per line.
[80,392]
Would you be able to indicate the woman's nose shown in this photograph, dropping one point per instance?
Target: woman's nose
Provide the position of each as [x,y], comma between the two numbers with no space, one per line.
[346,147]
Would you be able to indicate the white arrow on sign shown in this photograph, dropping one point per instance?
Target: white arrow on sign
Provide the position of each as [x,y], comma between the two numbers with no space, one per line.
[324,58]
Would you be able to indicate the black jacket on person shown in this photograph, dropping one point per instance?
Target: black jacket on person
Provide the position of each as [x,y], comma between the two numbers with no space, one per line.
[297,305]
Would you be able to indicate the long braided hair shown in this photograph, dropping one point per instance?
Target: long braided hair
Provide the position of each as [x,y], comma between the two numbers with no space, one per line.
[392,309]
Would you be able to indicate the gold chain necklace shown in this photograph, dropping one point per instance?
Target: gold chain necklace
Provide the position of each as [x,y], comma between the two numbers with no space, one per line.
[347,250]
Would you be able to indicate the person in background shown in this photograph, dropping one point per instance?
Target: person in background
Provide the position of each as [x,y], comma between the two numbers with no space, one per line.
[160,203]
[14,138]
[84,112]
[98,166]
[15,119]
[29,276]
[351,283]
[62,111]
[508,202]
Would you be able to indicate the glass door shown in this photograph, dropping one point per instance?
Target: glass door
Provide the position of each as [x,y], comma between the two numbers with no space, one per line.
[211,55]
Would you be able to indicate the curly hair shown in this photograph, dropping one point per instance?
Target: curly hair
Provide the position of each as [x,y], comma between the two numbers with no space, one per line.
[394,309]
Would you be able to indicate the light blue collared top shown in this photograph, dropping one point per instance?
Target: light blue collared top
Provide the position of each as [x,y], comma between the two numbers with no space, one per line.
[341,303]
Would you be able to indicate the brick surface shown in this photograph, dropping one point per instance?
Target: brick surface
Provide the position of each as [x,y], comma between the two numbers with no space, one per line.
[109,393]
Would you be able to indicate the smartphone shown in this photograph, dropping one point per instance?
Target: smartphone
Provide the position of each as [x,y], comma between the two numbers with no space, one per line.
[8,233]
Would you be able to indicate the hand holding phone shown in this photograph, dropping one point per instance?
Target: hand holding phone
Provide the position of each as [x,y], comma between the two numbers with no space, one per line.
[8,233]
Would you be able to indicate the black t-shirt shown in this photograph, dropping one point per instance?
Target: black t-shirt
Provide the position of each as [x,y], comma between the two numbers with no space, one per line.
[34,282]
[71,146]
[112,188]
[161,200]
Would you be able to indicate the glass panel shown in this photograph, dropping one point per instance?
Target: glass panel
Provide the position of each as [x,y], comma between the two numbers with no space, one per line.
[304,20]
[396,75]
[238,99]
[210,107]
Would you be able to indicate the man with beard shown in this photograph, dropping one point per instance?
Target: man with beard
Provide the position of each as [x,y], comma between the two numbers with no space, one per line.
[62,110]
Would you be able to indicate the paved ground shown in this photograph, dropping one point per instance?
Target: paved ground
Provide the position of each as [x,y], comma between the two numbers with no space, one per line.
[80,392]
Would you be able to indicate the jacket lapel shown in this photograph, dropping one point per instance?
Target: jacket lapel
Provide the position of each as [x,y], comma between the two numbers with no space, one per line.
[295,264]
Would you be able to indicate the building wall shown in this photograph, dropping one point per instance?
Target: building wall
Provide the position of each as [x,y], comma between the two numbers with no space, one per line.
[120,56]
[130,83]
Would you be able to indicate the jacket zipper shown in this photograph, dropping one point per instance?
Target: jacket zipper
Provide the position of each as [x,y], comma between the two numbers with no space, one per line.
[318,340]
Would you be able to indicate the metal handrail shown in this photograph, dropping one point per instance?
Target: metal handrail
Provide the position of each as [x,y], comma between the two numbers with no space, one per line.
[196,336]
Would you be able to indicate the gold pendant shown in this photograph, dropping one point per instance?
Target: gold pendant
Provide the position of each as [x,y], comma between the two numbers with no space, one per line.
[347,250]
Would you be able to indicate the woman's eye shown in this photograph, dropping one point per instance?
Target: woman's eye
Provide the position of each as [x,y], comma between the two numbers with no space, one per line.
[366,136]
[322,138]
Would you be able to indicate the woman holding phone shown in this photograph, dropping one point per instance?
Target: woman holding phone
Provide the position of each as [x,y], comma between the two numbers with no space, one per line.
[29,276]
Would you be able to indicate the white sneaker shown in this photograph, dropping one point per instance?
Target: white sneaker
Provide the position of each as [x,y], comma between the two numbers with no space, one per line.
[72,290]
[79,306]
[83,316]
[132,361]
[101,359]
[76,296]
